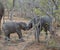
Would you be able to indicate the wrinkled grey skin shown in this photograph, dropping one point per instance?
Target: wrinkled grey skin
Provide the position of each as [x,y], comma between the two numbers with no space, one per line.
[13,27]
[45,22]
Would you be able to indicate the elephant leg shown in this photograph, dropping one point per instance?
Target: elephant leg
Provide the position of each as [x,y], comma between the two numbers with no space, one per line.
[37,33]
[45,29]
[7,37]
[51,31]
[20,35]
[46,35]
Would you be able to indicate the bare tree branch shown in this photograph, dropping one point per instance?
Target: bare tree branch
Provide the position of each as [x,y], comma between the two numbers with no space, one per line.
[55,3]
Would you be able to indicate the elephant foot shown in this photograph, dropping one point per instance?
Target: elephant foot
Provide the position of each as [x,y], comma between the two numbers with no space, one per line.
[21,40]
[7,39]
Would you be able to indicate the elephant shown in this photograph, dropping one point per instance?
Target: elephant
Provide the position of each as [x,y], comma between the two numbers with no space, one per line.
[13,27]
[45,22]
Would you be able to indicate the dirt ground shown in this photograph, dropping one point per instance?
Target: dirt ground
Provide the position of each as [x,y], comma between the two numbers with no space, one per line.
[29,43]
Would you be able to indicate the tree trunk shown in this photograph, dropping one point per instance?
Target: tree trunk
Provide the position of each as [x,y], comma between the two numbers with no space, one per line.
[0,26]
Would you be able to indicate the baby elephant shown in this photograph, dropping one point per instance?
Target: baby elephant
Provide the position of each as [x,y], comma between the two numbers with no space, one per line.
[12,27]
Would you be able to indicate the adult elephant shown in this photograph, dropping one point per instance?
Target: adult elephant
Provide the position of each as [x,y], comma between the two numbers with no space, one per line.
[1,14]
[44,22]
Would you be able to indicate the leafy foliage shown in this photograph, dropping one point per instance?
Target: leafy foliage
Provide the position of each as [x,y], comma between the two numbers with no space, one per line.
[28,7]
[9,3]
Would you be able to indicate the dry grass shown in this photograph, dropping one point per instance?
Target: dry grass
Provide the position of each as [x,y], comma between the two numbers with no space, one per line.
[16,45]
